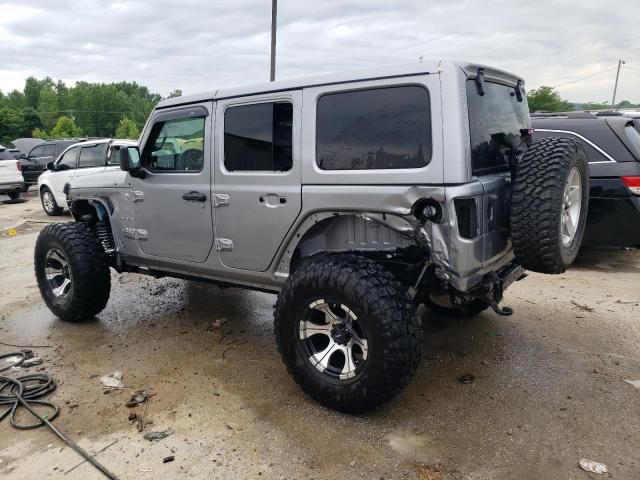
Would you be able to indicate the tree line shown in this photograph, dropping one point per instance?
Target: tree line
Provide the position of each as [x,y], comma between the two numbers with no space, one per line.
[51,109]
[547,99]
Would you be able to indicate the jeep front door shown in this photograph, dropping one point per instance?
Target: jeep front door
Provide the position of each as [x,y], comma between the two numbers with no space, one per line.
[257,192]
[171,192]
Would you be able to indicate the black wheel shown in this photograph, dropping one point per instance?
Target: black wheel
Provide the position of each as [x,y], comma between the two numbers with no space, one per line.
[49,204]
[470,309]
[14,195]
[549,203]
[347,332]
[72,271]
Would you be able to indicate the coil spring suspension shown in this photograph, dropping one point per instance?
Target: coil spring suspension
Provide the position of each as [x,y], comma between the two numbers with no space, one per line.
[103,230]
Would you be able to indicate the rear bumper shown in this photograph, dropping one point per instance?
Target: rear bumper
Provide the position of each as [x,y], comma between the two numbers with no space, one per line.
[613,219]
[613,222]
[11,187]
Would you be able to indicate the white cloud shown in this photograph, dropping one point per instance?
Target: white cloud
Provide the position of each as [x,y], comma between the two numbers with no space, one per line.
[195,45]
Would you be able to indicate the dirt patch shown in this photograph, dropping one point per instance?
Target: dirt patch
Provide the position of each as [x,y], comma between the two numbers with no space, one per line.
[545,381]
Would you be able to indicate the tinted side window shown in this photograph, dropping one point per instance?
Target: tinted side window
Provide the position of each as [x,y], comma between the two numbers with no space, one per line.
[93,156]
[49,150]
[258,137]
[376,128]
[37,152]
[175,146]
[68,159]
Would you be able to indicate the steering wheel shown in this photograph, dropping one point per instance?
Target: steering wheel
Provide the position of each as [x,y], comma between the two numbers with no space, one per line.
[191,159]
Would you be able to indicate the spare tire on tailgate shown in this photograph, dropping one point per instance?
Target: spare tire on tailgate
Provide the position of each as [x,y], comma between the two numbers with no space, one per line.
[549,201]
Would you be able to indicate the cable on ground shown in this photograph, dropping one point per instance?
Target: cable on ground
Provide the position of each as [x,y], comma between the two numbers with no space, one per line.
[24,392]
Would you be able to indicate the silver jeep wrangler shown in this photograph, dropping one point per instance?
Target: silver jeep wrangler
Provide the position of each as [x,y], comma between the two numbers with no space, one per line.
[354,198]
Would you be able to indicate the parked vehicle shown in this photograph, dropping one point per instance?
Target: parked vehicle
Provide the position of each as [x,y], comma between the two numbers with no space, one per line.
[612,145]
[24,145]
[353,197]
[78,160]
[36,161]
[11,182]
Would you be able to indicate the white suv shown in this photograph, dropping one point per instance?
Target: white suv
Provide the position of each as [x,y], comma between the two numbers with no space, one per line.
[11,182]
[78,160]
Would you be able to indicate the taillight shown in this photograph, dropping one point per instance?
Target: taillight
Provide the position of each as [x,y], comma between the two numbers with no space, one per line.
[632,183]
[19,166]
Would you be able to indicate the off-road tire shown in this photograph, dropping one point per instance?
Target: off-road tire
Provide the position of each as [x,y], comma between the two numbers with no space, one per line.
[537,203]
[14,195]
[89,270]
[382,304]
[55,210]
[467,310]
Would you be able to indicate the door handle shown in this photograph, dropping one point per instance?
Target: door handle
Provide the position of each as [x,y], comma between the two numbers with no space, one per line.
[272,200]
[194,196]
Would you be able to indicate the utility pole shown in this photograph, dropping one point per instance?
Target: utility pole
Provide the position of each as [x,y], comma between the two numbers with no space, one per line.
[274,23]
[615,87]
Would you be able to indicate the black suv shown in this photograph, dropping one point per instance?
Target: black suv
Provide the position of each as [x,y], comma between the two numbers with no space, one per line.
[36,161]
[612,143]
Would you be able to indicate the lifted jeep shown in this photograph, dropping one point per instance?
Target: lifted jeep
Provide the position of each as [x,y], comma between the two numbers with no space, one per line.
[354,198]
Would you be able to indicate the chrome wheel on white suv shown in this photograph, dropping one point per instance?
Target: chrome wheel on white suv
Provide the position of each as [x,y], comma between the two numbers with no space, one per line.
[49,204]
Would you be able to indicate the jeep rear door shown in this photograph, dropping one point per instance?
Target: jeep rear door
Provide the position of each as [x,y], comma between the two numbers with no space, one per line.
[257,192]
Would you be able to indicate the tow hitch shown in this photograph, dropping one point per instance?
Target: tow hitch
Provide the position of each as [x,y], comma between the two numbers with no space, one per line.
[496,283]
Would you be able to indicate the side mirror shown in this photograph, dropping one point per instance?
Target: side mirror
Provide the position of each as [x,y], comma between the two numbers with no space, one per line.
[22,156]
[51,166]
[130,161]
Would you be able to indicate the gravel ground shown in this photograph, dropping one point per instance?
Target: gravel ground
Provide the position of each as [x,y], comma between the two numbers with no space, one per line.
[549,383]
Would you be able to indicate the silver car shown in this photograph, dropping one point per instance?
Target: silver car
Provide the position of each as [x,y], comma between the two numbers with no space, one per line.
[352,197]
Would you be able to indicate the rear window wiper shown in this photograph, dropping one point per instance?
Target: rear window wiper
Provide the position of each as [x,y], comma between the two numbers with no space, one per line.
[479,80]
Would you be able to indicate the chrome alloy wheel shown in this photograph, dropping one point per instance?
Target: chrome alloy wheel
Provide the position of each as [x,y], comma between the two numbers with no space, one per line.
[334,339]
[47,201]
[571,205]
[57,273]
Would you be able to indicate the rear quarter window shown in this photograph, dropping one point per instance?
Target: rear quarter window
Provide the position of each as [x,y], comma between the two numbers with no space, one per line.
[378,128]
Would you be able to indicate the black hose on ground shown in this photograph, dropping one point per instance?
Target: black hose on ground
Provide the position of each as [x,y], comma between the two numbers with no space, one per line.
[24,391]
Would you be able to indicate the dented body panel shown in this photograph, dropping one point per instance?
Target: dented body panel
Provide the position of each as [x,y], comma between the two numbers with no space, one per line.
[253,228]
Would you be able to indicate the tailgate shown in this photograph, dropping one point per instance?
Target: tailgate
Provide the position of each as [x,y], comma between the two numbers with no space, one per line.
[9,171]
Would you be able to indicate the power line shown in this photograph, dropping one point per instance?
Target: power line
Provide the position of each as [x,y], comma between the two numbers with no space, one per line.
[84,111]
[584,78]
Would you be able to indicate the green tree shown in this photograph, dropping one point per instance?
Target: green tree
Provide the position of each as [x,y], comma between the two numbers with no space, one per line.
[127,128]
[48,108]
[14,99]
[176,93]
[97,108]
[40,133]
[66,128]
[30,121]
[10,124]
[595,106]
[33,88]
[547,99]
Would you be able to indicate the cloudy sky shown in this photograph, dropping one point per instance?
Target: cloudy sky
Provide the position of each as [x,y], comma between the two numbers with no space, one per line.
[197,45]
